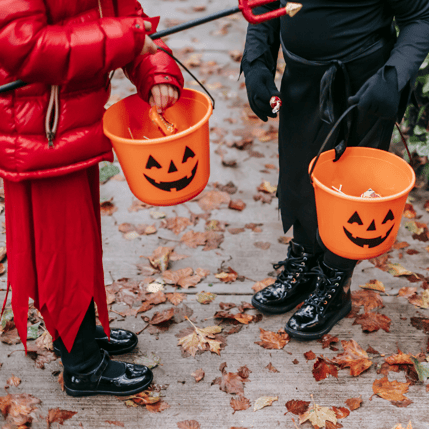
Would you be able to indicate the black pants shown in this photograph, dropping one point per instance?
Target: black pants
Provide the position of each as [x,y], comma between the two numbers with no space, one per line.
[85,354]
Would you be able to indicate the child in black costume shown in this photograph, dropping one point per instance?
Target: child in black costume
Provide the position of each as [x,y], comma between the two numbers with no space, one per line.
[338,53]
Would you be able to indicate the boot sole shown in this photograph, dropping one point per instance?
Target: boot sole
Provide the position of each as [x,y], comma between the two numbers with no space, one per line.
[78,393]
[316,335]
[277,310]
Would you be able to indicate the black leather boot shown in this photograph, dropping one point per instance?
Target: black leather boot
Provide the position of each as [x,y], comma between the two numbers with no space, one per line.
[131,379]
[329,303]
[293,284]
[121,341]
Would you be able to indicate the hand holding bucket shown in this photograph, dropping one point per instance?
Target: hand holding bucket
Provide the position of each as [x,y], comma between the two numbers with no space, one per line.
[162,170]
[351,226]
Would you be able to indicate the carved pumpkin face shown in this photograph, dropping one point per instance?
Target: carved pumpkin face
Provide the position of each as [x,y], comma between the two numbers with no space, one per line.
[177,172]
[355,233]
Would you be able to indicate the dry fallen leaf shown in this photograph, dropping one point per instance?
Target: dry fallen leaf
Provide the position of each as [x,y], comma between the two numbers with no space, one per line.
[18,410]
[420,300]
[271,368]
[322,369]
[390,390]
[354,357]
[318,416]
[374,285]
[175,298]
[372,322]
[13,381]
[160,258]
[297,407]
[188,424]
[264,401]
[239,404]
[230,382]
[398,270]
[57,415]
[200,338]
[368,298]
[399,359]
[263,284]
[327,339]
[198,374]
[158,407]
[272,340]
[354,403]
[227,276]
[206,297]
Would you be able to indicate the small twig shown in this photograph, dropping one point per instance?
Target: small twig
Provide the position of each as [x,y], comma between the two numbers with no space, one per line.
[139,332]
[168,239]
[10,354]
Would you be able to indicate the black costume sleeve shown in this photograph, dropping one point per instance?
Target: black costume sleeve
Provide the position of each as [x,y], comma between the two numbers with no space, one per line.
[263,40]
[412,46]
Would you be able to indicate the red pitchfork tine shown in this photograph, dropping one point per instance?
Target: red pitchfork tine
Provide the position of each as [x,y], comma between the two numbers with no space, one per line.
[247,6]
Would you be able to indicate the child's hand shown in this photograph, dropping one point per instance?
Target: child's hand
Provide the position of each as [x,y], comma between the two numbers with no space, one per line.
[163,95]
[149,46]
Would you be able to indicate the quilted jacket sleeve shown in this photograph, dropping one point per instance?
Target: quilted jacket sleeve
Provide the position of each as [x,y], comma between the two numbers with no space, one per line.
[34,51]
[145,71]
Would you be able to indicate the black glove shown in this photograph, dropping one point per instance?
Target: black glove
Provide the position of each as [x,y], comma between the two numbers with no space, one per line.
[379,95]
[260,88]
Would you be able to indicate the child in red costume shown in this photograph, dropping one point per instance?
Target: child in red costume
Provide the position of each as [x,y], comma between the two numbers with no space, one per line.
[51,141]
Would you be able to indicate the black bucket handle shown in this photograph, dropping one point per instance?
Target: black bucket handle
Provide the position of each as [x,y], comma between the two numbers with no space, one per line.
[332,132]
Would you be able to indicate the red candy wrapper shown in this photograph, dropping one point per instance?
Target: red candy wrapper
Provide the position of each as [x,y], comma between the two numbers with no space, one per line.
[275,104]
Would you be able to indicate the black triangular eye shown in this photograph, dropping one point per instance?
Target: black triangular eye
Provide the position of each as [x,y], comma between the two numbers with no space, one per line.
[372,226]
[188,154]
[172,167]
[355,218]
[152,162]
[389,216]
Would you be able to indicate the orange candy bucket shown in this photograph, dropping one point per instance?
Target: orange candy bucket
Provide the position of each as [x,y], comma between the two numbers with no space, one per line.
[162,170]
[355,227]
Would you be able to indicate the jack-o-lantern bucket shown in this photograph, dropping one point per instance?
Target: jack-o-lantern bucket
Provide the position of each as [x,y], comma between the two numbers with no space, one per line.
[352,226]
[162,170]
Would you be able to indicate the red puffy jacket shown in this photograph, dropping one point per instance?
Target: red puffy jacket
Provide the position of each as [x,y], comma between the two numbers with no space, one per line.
[67,50]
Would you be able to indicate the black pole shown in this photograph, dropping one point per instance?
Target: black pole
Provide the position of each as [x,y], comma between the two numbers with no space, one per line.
[194,23]
[185,26]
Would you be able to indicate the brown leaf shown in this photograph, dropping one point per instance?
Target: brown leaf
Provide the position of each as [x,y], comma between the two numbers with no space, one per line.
[235,231]
[390,390]
[239,404]
[327,339]
[198,374]
[354,403]
[61,381]
[354,357]
[176,224]
[59,416]
[372,351]
[18,410]
[176,298]
[116,423]
[369,299]
[309,355]
[13,381]
[151,300]
[399,359]
[160,258]
[421,323]
[271,368]
[402,404]
[182,276]
[407,291]
[341,412]
[263,284]
[374,285]
[372,322]
[264,245]
[200,339]
[297,407]
[215,225]
[194,239]
[212,200]
[2,253]
[237,204]
[230,382]
[40,356]
[213,240]
[323,369]
[227,276]
[107,208]
[409,211]
[244,372]
[158,407]
[271,340]
[188,424]
[226,305]
[163,316]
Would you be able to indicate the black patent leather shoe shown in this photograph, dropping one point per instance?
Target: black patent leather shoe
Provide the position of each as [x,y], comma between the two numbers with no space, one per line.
[292,285]
[329,303]
[134,379]
[121,341]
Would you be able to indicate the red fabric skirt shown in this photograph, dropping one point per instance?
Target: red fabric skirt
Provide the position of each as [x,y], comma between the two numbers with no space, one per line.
[54,249]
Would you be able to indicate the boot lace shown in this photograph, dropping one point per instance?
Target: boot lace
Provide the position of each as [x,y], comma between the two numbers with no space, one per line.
[325,289]
[293,268]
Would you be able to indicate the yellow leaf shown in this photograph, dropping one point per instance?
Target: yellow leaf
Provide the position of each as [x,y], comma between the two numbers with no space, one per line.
[200,338]
[318,416]
[398,270]
[264,401]
[374,285]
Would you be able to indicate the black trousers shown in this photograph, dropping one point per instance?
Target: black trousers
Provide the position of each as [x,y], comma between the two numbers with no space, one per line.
[85,354]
